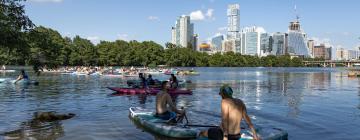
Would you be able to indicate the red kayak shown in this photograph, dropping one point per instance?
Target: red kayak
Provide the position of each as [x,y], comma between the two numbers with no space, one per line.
[152,91]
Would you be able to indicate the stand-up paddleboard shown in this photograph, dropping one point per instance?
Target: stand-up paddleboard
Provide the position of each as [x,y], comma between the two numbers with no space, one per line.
[146,119]
[25,82]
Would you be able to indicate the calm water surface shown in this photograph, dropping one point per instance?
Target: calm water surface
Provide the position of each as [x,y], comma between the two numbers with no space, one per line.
[310,103]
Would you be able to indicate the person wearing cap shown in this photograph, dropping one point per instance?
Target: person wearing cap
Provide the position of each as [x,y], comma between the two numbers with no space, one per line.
[232,112]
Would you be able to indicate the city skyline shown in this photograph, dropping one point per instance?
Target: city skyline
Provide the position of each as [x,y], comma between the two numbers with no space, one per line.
[110,21]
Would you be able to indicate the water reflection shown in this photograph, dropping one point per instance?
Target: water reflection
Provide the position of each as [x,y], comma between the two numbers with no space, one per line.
[37,130]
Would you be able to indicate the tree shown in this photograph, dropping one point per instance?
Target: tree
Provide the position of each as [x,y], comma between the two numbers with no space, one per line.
[13,26]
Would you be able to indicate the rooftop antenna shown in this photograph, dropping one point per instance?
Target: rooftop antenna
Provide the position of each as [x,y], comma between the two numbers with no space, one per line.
[297,14]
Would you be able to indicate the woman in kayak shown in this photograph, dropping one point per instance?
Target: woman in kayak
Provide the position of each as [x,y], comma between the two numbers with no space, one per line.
[163,100]
[143,83]
[232,112]
[150,80]
[174,83]
[22,76]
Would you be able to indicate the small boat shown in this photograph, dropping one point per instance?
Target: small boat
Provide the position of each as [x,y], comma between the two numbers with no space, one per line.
[146,119]
[151,91]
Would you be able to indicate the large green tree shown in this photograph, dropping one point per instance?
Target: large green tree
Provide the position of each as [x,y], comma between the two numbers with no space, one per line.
[13,27]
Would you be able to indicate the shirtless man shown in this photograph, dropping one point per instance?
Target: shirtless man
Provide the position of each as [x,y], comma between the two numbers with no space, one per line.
[232,112]
[163,100]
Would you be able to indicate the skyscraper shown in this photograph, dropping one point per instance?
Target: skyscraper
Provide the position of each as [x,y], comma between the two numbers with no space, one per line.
[233,15]
[183,32]
[265,44]
[278,47]
[216,43]
[250,44]
[296,40]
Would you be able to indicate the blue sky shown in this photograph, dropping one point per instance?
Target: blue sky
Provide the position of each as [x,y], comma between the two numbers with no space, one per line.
[328,21]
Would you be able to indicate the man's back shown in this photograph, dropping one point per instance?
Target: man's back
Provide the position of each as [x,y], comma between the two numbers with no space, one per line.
[161,102]
[232,114]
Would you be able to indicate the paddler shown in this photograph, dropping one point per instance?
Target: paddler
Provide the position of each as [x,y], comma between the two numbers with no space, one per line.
[232,112]
[163,100]
[22,76]
[174,83]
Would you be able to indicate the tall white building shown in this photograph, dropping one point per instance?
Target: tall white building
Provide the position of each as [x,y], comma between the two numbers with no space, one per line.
[251,41]
[233,15]
[183,32]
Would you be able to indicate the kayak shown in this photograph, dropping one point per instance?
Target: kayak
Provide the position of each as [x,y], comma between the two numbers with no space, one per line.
[25,82]
[151,91]
[2,80]
[145,118]
[136,82]
[7,70]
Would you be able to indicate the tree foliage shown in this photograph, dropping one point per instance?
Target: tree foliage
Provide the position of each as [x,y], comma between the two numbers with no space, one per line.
[22,43]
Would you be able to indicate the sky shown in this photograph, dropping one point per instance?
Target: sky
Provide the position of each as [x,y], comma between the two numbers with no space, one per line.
[333,22]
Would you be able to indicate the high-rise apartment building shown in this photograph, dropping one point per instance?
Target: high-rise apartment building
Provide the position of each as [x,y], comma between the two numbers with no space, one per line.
[311,44]
[183,32]
[233,15]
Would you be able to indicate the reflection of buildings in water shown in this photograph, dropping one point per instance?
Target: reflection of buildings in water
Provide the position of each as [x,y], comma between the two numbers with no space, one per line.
[37,130]
[319,80]
[340,78]
[290,86]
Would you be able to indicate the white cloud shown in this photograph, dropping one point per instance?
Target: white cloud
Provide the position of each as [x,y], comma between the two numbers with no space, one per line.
[209,13]
[197,15]
[319,41]
[200,15]
[123,37]
[55,1]
[346,33]
[94,39]
[153,18]
[222,28]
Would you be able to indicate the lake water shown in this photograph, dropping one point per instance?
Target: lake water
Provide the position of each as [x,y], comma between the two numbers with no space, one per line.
[309,103]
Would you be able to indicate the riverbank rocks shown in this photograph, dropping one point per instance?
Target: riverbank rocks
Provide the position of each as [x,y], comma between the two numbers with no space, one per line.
[51,116]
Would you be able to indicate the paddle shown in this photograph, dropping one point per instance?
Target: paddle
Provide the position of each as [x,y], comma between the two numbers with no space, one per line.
[198,125]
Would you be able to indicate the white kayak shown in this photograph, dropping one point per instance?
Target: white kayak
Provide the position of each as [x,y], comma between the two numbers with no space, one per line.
[7,70]
[146,119]
[2,80]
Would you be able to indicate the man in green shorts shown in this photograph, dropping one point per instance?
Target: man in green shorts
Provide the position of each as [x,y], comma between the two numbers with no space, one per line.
[232,112]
